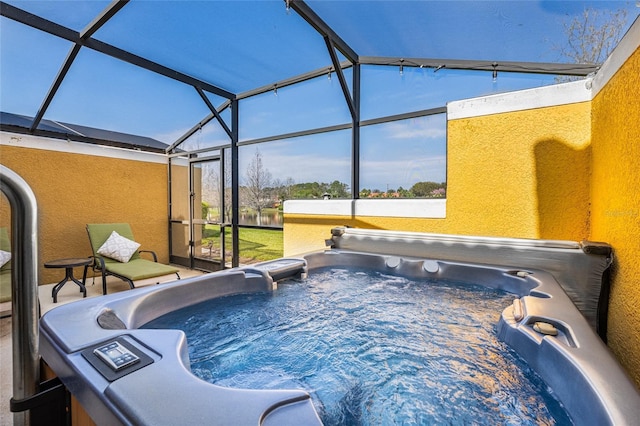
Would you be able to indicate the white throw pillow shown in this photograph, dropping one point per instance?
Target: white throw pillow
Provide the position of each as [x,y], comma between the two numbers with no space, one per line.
[5,256]
[118,247]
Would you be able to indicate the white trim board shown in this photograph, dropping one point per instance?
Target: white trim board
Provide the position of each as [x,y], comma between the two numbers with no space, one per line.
[59,145]
[405,208]
[623,51]
[539,97]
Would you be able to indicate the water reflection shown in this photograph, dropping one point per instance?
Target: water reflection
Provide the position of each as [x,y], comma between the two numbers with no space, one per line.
[268,218]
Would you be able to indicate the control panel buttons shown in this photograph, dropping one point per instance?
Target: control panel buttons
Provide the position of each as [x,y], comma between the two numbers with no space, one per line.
[115,355]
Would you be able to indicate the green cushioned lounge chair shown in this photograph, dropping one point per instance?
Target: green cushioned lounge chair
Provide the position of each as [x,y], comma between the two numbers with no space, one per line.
[135,269]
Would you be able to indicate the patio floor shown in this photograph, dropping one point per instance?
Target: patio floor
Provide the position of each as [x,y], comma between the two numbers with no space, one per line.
[69,293]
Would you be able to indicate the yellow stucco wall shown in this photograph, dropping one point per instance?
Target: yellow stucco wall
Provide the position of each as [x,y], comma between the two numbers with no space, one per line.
[615,215]
[75,189]
[306,233]
[521,174]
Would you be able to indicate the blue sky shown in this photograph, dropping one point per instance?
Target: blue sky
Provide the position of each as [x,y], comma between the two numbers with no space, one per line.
[240,45]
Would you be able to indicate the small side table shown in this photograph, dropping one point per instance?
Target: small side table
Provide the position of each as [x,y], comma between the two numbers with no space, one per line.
[69,264]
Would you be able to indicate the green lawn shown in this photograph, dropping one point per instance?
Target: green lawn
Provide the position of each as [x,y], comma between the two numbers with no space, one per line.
[255,244]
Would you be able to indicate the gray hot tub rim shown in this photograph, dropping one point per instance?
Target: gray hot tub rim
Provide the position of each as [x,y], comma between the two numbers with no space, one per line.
[605,394]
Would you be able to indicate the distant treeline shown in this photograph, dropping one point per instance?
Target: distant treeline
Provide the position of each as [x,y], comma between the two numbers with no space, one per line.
[418,190]
[337,189]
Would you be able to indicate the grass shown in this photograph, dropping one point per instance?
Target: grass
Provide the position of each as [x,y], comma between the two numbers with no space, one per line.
[259,244]
[255,245]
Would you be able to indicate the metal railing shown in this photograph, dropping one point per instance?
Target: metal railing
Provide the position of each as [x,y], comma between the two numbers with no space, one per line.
[24,284]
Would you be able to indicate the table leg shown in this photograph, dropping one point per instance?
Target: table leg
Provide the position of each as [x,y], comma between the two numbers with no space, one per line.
[69,277]
[84,279]
[83,289]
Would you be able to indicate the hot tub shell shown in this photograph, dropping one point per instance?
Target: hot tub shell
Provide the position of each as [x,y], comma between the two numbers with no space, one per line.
[575,363]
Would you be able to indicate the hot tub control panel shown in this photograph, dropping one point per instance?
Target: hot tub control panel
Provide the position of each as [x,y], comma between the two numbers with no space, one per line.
[116,356]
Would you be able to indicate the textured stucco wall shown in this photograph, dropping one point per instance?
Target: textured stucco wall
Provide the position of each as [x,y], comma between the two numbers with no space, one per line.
[307,233]
[615,216]
[522,174]
[75,189]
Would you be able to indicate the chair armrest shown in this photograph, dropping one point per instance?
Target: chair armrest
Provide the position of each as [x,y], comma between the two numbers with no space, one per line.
[153,253]
[97,260]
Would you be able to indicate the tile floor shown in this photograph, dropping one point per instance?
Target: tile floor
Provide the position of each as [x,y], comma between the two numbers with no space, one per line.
[68,294]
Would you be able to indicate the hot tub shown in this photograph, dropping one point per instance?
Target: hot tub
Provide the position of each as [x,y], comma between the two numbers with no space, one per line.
[150,380]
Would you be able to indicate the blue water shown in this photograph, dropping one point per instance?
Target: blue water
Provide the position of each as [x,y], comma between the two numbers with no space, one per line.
[371,349]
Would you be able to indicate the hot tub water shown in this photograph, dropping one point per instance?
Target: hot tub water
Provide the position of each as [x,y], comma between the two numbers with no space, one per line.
[370,349]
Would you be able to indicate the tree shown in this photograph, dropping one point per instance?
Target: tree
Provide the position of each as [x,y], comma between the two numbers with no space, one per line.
[592,36]
[228,176]
[210,187]
[258,183]
[428,189]
[284,190]
[404,193]
[338,189]
[308,190]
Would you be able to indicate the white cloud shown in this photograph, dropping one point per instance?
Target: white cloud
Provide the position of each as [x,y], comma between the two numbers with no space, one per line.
[402,172]
[416,129]
[302,167]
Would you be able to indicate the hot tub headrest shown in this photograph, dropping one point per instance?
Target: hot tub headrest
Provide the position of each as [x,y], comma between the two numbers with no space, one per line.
[580,268]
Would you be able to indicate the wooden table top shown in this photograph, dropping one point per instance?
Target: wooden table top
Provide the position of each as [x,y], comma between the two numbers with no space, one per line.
[68,263]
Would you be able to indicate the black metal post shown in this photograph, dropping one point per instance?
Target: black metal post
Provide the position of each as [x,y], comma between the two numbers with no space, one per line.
[355,149]
[235,186]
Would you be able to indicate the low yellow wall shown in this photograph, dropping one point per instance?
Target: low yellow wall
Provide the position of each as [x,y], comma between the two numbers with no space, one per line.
[615,213]
[75,189]
[521,174]
[306,233]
